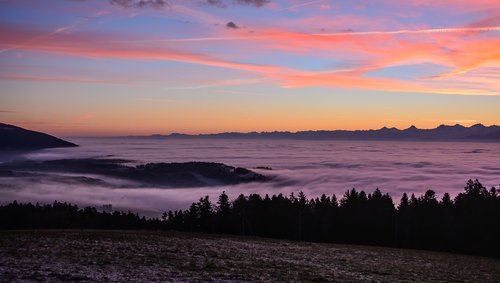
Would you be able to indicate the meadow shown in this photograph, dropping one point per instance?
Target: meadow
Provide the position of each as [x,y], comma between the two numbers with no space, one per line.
[132,256]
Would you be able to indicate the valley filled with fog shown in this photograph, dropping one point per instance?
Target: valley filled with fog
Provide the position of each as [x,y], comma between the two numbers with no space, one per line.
[314,167]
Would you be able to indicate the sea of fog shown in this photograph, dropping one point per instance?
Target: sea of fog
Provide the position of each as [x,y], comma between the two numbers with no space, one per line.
[314,167]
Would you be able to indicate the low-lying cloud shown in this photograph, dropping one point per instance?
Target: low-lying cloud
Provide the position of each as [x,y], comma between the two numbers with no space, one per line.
[314,168]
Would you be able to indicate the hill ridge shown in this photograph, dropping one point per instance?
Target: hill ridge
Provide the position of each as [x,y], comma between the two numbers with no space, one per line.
[17,138]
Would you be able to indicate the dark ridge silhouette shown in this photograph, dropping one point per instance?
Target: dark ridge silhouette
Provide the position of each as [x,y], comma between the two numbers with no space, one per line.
[457,132]
[16,138]
[188,174]
[468,224]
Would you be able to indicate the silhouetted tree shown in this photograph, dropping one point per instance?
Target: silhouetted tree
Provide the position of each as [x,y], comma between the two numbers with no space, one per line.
[223,214]
[476,212]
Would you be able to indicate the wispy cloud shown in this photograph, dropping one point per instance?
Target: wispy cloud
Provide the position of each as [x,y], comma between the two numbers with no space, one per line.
[222,3]
[157,4]
[3,111]
[417,31]
[97,45]
[300,5]
[277,34]
[218,83]
[84,118]
[62,29]
[135,3]
[381,49]
[139,3]
[18,77]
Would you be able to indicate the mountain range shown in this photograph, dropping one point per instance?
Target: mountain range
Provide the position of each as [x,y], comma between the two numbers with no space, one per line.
[13,137]
[456,132]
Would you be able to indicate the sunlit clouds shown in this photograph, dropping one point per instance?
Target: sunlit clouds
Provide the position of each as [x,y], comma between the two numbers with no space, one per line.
[411,47]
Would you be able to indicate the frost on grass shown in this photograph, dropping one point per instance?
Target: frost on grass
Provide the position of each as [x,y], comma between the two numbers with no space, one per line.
[153,256]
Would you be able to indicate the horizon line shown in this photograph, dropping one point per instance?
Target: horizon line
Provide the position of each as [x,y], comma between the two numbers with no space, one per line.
[274,131]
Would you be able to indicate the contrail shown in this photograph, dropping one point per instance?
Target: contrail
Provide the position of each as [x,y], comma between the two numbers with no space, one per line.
[353,33]
[83,19]
[303,4]
[189,39]
[62,29]
[407,31]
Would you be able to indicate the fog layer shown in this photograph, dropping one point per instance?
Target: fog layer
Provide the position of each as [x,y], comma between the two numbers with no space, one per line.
[315,167]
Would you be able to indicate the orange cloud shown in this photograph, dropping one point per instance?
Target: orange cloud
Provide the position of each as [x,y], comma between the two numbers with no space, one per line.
[355,81]
[378,50]
[381,49]
[98,45]
[449,4]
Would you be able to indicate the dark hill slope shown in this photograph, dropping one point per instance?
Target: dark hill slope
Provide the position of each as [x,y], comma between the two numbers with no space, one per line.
[16,138]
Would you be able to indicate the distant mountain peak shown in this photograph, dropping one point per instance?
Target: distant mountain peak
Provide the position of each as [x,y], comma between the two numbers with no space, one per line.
[478,125]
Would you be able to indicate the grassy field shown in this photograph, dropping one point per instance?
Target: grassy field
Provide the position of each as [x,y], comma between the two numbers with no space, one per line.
[125,256]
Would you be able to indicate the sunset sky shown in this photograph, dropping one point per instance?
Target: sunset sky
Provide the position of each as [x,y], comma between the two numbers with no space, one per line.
[132,67]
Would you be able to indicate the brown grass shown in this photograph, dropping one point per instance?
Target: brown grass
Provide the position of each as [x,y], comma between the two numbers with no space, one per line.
[126,256]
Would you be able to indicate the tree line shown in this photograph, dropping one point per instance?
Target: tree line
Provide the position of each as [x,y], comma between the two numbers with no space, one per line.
[469,223]
[62,215]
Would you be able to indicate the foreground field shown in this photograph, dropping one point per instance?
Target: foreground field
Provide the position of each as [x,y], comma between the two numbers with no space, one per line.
[125,256]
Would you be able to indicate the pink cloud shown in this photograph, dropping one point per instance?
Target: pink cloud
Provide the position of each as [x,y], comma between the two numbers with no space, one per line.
[18,77]
[379,50]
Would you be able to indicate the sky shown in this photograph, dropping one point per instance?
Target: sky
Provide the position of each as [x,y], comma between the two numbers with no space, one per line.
[138,67]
